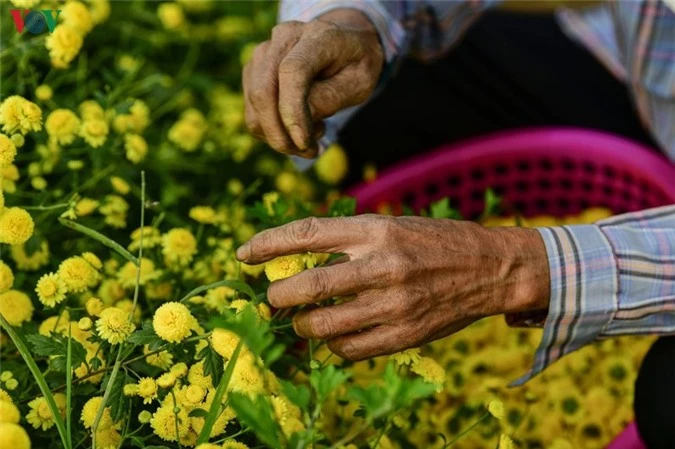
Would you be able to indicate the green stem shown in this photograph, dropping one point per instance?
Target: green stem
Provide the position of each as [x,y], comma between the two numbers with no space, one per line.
[39,379]
[102,239]
[214,410]
[69,387]
[469,429]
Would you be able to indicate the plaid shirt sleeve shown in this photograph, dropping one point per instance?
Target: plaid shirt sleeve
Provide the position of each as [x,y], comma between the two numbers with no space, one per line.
[616,277]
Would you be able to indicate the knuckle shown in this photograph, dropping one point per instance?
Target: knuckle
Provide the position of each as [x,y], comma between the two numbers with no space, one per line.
[260,51]
[319,284]
[305,231]
[292,64]
[284,29]
[321,324]
[398,268]
[260,94]
[346,349]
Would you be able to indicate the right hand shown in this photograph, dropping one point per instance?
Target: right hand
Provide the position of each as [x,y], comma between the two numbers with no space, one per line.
[307,72]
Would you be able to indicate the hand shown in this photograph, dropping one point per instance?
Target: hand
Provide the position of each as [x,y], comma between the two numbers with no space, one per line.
[413,279]
[307,72]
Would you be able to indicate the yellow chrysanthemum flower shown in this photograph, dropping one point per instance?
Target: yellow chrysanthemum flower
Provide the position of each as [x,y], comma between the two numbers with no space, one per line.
[63,45]
[77,16]
[209,446]
[136,148]
[14,436]
[114,325]
[57,323]
[331,167]
[43,92]
[16,226]
[31,262]
[85,323]
[496,409]
[38,183]
[127,274]
[20,115]
[51,289]
[147,389]
[100,10]
[179,370]
[40,415]
[144,417]
[170,425]
[166,380]
[171,15]
[9,413]
[7,150]
[135,121]
[506,442]
[86,206]
[430,371]
[246,376]
[6,277]
[94,132]
[93,260]
[90,410]
[203,214]
[224,342]
[16,307]
[178,247]
[91,110]
[173,322]
[78,274]
[231,444]
[120,185]
[62,125]
[188,131]
[4,396]
[94,306]
[18,140]
[284,267]
[196,376]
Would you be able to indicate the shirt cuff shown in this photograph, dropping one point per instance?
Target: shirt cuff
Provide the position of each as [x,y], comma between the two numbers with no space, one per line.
[584,292]
[391,32]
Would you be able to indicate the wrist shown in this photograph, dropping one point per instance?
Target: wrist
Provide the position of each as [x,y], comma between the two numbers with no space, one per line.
[525,270]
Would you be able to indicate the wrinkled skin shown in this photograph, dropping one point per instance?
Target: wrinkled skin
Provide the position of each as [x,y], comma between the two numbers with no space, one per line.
[410,280]
[307,72]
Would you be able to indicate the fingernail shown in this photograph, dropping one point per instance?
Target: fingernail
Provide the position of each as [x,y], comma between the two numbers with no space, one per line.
[298,136]
[243,252]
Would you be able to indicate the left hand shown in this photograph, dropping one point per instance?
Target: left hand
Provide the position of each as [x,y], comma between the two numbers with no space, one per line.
[413,279]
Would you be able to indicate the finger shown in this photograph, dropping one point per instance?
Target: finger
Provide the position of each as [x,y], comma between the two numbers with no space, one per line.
[333,321]
[296,72]
[326,97]
[321,283]
[252,122]
[263,91]
[380,340]
[318,235]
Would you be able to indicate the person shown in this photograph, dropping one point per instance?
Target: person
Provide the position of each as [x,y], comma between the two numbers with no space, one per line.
[388,79]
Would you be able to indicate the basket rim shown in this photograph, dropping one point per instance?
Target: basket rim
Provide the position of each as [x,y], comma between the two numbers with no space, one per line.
[577,143]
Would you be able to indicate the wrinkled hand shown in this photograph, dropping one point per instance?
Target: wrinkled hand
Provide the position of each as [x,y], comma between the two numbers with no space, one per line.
[412,279]
[307,72]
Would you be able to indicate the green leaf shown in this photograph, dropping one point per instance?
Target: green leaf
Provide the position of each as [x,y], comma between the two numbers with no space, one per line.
[213,363]
[297,394]
[145,336]
[56,346]
[198,413]
[442,209]
[232,283]
[258,414]
[116,399]
[39,379]
[324,381]
[492,203]
[342,207]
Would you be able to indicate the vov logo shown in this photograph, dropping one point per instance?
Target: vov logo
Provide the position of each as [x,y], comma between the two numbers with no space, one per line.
[36,21]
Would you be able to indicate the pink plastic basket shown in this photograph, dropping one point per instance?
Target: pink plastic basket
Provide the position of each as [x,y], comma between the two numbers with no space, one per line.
[550,171]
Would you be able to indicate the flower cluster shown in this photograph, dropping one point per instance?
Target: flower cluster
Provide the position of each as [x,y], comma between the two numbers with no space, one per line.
[128,180]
